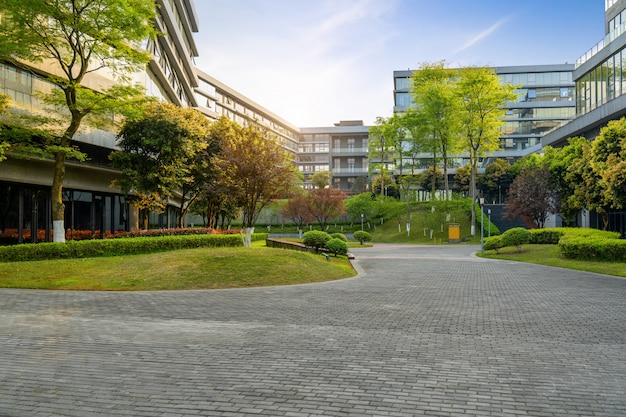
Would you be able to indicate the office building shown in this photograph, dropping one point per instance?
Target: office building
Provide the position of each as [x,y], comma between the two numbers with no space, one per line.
[546,100]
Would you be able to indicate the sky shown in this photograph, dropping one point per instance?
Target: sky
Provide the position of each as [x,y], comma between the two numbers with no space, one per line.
[316,62]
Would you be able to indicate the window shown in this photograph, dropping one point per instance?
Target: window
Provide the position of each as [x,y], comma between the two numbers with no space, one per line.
[403,83]
[403,99]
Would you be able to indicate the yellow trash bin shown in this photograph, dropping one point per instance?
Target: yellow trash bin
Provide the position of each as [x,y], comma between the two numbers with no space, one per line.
[454,232]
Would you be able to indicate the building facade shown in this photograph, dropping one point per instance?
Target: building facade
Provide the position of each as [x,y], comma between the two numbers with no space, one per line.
[546,100]
[342,150]
[600,79]
[92,204]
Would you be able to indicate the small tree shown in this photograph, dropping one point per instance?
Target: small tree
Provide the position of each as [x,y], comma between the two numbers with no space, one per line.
[533,195]
[326,204]
[316,239]
[256,169]
[298,209]
[362,236]
[517,237]
[321,179]
[337,246]
[157,153]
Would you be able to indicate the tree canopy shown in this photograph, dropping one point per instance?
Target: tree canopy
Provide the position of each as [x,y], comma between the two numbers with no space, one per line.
[76,38]
[158,152]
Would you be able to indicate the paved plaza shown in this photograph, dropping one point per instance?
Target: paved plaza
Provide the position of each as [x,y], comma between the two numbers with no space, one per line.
[423,330]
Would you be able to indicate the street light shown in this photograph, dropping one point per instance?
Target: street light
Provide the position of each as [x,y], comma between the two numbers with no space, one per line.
[481,201]
[489,224]
[361,221]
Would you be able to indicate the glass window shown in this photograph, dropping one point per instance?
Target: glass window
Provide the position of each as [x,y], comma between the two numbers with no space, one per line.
[403,83]
[403,99]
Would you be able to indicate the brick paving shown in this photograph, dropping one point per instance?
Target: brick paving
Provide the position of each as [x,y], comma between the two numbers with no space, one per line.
[423,330]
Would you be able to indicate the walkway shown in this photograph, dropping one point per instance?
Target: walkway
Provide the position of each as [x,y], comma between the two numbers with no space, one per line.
[424,330]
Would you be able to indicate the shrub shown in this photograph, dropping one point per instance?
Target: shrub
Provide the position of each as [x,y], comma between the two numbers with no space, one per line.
[340,236]
[546,236]
[494,243]
[337,246]
[315,239]
[593,249]
[362,236]
[516,237]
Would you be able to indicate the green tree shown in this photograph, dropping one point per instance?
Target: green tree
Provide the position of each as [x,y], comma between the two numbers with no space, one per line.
[608,161]
[321,179]
[255,169]
[361,205]
[433,93]
[562,163]
[4,143]
[482,99]
[462,178]
[381,147]
[157,155]
[76,38]
[496,180]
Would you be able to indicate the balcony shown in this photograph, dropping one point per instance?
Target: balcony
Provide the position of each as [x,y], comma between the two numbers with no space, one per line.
[349,151]
[349,172]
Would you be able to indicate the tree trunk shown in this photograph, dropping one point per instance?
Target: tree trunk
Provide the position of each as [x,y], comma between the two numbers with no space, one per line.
[473,193]
[58,208]
[247,237]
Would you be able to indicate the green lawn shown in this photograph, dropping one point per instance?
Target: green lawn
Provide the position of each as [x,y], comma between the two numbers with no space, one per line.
[549,255]
[205,268]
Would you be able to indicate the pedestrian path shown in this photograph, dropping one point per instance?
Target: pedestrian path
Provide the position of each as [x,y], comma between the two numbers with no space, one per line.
[423,330]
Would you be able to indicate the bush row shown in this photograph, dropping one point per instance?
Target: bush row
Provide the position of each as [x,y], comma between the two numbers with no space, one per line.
[10,236]
[593,248]
[116,247]
[574,243]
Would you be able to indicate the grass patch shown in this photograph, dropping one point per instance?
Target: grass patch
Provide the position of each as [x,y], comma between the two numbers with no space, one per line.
[550,255]
[202,268]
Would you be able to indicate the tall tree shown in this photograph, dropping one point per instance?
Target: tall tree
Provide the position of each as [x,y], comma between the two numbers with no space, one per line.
[381,147]
[609,162]
[4,143]
[562,164]
[433,93]
[157,155]
[75,38]
[256,169]
[482,99]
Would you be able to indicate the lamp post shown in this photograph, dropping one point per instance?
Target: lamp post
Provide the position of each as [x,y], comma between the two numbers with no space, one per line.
[361,221]
[482,227]
[489,220]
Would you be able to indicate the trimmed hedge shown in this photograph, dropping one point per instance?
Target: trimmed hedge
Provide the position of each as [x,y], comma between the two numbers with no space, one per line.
[593,248]
[117,247]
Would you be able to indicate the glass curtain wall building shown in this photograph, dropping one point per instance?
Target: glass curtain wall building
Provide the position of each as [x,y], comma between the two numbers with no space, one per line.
[546,99]
[92,206]
[600,78]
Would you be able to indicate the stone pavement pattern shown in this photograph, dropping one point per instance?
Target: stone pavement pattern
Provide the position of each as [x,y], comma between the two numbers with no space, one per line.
[424,330]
